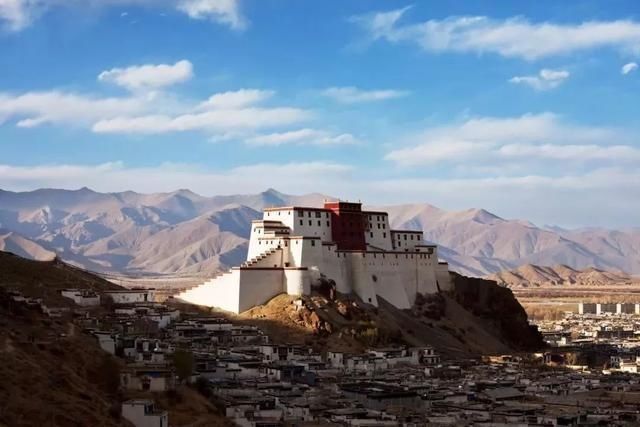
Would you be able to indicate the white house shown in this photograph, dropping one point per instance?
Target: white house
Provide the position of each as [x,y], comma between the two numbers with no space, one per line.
[294,248]
[130,296]
[142,413]
[82,297]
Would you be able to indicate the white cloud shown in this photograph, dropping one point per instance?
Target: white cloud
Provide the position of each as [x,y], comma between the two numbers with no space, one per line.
[352,95]
[19,14]
[116,176]
[542,136]
[545,80]
[628,68]
[222,11]
[153,112]
[37,108]
[215,120]
[571,152]
[236,99]
[303,137]
[149,76]
[513,37]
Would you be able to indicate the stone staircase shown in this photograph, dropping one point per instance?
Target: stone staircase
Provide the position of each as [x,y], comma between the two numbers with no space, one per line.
[199,294]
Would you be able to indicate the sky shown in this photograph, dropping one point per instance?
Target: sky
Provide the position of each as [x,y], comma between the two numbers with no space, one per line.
[526,109]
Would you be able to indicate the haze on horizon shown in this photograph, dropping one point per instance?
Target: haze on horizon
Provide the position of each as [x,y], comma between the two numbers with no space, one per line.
[527,110]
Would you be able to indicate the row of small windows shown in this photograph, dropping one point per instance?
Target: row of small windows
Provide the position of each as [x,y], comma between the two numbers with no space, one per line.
[318,214]
[384,235]
[410,235]
[282,230]
[311,223]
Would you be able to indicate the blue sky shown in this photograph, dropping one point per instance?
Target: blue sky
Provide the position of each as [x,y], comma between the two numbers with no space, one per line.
[529,110]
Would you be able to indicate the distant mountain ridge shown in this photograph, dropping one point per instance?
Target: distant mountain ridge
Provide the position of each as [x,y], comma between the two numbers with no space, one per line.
[529,276]
[186,233]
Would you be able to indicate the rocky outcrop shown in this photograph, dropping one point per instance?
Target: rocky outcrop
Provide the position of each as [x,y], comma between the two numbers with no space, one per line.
[477,317]
[498,306]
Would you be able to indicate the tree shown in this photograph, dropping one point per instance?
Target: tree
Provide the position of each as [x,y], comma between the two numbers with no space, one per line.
[183,363]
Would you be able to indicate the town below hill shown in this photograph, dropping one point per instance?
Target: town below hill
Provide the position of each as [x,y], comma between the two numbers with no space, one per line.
[110,355]
[184,234]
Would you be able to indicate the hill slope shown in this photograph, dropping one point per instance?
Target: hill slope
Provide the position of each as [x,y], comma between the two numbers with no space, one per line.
[477,317]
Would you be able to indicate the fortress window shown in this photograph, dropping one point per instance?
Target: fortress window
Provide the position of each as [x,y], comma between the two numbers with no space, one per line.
[300,213]
[405,237]
[301,222]
[412,237]
[313,243]
[318,223]
[384,235]
[318,214]
[384,226]
[371,235]
[328,225]
[378,226]
[310,222]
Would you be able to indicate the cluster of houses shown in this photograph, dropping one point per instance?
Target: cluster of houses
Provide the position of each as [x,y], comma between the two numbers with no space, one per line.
[261,383]
[606,341]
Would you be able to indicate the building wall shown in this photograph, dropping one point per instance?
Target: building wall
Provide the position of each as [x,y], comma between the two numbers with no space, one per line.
[222,291]
[259,285]
[297,281]
[378,232]
[129,297]
[134,413]
[406,240]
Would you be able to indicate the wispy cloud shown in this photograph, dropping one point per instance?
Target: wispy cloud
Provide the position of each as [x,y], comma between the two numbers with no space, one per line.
[117,176]
[149,76]
[212,121]
[221,11]
[17,15]
[513,37]
[236,99]
[303,137]
[353,95]
[545,80]
[145,111]
[629,67]
[528,137]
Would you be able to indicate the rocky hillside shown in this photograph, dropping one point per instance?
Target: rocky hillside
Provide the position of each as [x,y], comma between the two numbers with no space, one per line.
[529,275]
[184,233]
[44,279]
[55,375]
[478,317]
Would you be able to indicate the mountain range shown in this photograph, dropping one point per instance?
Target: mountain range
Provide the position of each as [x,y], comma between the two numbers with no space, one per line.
[528,276]
[187,234]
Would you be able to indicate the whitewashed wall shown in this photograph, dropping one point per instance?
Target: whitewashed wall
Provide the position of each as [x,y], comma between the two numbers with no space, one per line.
[257,286]
[222,292]
[379,232]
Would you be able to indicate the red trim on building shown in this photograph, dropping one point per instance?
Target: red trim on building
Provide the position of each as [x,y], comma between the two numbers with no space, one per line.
[348,225]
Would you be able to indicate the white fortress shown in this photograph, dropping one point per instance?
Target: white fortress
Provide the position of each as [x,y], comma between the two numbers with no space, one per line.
[293,248]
